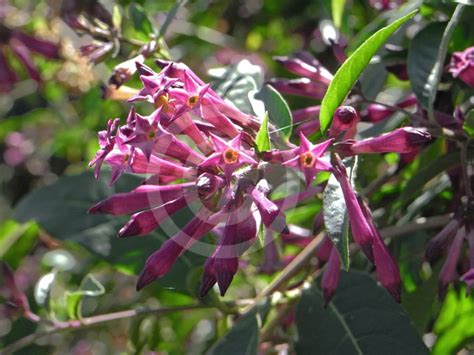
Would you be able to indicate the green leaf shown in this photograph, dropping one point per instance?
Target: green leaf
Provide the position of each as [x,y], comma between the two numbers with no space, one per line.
[337,8]
[278,110]
[454,324]
[16,241]
[90,287]
[469,124]
[117,18]
[262,140]
[352,68]
[69,198]
[170,17]
[336,219]
[243,337]
[361,319]
[422,54]
[141,22]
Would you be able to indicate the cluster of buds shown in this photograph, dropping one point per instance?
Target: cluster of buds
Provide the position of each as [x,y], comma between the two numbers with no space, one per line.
[22,46]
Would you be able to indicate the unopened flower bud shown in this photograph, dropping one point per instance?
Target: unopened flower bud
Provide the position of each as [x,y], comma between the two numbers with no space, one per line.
[345,120]
[330,278]
[462,66]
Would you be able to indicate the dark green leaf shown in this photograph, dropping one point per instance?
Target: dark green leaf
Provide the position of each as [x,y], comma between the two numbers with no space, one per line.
[336,219]
[278,110]
[422,55]
[262,140]
[361,319]
[352,68]
[469,124]
[70,197]
[141,22]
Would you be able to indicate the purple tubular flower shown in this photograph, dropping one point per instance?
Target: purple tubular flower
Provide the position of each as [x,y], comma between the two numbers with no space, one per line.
[141,198]
[448,272]
[300,87]
[221,266]
[306,113]
[378,112]
[345,121]
[307,158]
[45,48]
[440,243]
[361,231]
[401,140]
[324,250]
[7,76]
[142,223]
[299,67]
[24,55]
[462,66]
[229,156]
[330,278]
[272,216]
[468,278]
[161,261]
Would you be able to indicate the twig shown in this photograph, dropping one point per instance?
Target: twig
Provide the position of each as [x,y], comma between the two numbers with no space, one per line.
[94,320]
[419,224]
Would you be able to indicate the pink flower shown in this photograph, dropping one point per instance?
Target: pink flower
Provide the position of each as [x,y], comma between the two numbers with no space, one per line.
[310,68]
[229,156]
[448,272]
[330,278]
[440,243]
[462,66]
[308,158]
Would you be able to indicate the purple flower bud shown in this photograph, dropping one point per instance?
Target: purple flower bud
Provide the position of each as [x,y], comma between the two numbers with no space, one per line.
[143,197]
[468,278]
[401,140]
[387,270]
[361,231]
[462,66]
[304,114]
[378,112]
[330,278]
[440,243]
[124,71]
[345,121]
[96,52]
[324,250]
[304,69]
[46,48]
[300,87]
[448,272]
[24,55]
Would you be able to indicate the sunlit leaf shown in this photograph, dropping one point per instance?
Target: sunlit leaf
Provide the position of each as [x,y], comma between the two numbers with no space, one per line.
[262,140]
[337,8]
[352,68]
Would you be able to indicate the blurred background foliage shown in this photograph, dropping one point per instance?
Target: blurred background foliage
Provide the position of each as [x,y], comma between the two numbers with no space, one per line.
[50,129]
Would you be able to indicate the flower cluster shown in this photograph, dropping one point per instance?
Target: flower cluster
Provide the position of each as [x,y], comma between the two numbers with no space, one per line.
[197,148]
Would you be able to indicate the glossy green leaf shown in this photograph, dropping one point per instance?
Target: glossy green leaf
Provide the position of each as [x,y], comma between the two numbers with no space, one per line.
[361,319]
[352,68]
[141,22]
[16,241]
[61,209]
[422,54]
[90,287]
[336,219]
[454,326]
[278,110]
[262,140]
[337,8]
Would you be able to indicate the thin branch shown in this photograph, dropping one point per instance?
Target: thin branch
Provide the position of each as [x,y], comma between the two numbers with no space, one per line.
[94,320]
[417,225]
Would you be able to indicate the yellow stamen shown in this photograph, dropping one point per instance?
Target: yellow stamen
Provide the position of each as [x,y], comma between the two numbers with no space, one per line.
[231,156]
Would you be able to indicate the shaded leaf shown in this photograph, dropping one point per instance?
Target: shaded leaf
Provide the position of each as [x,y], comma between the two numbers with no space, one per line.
[352,68]
[141,22]
[361,319]
[336,219]
[422,54]
[277,108]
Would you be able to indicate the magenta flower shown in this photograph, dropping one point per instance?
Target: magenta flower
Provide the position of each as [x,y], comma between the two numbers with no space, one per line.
[308,158]
[448,273]
[305,66]
[330,278]
[468,278]
[462,66]
[401,140]
[300,87]
[378,112]
[441,242]
[228,156]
